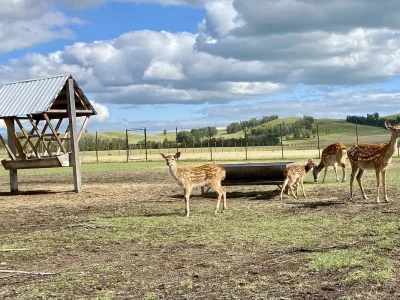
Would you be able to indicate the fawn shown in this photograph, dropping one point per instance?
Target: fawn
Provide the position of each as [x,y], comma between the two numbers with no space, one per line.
[373,156]
[296,173]
[189,177]
[332,155]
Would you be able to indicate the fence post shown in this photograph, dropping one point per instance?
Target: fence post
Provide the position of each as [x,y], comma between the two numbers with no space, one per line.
[210,147]
[319,149]
[280,125]
[127,145]
[246,141]
[356,132]
[176,139]
[97,149]
[145,141]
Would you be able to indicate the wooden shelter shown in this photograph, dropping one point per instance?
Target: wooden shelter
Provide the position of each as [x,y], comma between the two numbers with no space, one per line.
[34,111]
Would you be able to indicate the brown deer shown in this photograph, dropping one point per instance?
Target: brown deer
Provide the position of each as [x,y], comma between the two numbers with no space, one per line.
[373,157]
[296,173]
[332,155]
[189,177]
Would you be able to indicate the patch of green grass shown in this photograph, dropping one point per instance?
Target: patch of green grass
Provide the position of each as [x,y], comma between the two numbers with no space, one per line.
[151,296]
[354,265]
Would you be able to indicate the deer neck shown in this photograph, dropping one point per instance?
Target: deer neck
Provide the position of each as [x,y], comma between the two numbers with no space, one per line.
[307,168]
[321,165]
[391,147]
[173,169]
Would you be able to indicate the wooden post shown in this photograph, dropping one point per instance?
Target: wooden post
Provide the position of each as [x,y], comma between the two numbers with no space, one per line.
[280,125]
[145,141]
[97,149]
[319,148]
[13,172]
[76,164]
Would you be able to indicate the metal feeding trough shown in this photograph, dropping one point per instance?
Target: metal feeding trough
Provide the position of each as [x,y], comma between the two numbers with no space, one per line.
[255,173]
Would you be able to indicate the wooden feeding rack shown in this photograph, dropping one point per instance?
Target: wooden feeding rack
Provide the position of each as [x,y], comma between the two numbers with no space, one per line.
[34,112]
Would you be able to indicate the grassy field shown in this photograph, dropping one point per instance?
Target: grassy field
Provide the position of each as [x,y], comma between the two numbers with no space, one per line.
[329,131]
[125,237]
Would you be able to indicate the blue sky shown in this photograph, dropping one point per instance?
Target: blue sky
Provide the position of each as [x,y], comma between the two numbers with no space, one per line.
[193,63]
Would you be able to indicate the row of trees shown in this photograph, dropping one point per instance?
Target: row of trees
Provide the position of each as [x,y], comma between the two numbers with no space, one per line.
[371,120]
[203,137]
[239,126]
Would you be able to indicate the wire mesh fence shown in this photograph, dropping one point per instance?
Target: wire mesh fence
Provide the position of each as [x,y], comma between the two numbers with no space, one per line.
[146,144]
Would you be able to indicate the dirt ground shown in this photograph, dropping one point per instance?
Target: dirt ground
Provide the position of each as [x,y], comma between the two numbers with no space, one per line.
[47,203]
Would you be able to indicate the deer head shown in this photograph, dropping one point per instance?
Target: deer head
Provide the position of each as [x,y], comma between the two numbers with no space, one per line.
[394,129]
[170,159]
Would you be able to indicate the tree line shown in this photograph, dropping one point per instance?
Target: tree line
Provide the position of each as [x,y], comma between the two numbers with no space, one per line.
[372,120]
[252,135]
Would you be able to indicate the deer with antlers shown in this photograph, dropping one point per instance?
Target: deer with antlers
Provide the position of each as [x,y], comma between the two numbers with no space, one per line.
[190,177]
[332,155]
[296,173]
[373,157]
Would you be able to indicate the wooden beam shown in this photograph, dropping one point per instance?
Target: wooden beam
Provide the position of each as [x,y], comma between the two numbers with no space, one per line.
[64,138]
[25,134]
[30,133]
[12,172]
[80,99]
[43,135]
[83,128]
[21,137]
[78,111]
[10,153]
[14,139]
[74,136]
[57,128]
[40,136]
[46,117]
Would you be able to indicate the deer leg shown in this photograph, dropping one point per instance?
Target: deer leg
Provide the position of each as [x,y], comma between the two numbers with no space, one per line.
[353,173]
[302,187]
[344,171]
[187,196]
[325,170]
[224,195]
[335,168]
[378,183]
[359,179]
[219,191]
[384,185]
[285,182]
[290,184]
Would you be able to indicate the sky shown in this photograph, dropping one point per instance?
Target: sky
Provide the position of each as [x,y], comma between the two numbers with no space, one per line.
[195,63]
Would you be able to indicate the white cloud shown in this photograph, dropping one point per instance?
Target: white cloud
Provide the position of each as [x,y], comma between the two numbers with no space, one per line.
[146,67]
[103,113]
[25,23]
[244,50]
[163,70]
[87,3]
[334,105]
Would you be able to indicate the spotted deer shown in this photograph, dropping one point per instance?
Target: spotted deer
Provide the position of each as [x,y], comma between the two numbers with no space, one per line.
[190,177]
[332,155]
[296,173]
[376,157]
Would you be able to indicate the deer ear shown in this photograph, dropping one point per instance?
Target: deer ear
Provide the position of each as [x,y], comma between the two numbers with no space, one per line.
[162,155]
[310,160]
[177,155]
[388,125]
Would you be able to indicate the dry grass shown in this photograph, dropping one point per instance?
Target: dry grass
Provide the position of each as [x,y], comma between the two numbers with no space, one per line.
[125,237]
